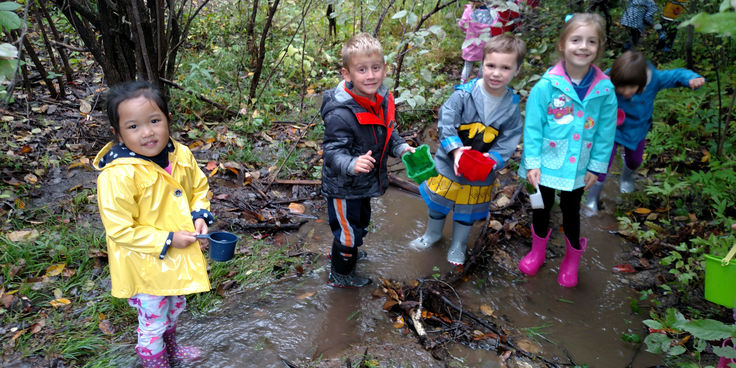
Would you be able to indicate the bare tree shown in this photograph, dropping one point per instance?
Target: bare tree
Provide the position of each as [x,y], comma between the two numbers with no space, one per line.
[133,38]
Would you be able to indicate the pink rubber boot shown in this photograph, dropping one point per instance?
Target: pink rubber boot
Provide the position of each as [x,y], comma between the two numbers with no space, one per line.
[568,276]
[178,352]
[530,264]
[159,360]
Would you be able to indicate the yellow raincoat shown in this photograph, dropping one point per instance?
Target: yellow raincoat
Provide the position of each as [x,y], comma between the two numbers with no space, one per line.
[140,203]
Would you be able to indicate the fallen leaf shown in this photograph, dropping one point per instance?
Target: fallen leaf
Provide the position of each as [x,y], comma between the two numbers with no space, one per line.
[20,204]
[195,145]
[55,270]
[211,165]
[495,225]
[306,295]
[7,300]
[213,172]
[60,302]
[692,217]
[222,196]
[23,235]
[84,107]
[399,322]
[624,268]
[706,156]
[36,327]
[106,327]
[487,310]
[296,208]
[30,179]
[25,149]
[17,334]
[643,211]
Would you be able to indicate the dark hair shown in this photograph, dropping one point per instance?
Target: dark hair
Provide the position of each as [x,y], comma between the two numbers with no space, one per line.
[128,90]
[630,69]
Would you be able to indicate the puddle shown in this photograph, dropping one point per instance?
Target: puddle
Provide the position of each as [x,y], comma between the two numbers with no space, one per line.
[305,319]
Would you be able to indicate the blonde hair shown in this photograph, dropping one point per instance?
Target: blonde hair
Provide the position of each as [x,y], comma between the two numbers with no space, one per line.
[361,43]
[506,44]
[578,20]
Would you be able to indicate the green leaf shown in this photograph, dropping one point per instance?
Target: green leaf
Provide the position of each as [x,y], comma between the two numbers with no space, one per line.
[653,324]
[727,352]
[7,67]
[399,14]
[721,23]
[8,51]
[676,350]
[655,342]
[426,75]
[9,20]
[9,6]
[709,329]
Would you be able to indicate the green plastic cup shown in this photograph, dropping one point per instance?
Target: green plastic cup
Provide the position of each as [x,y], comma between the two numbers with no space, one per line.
[419,165]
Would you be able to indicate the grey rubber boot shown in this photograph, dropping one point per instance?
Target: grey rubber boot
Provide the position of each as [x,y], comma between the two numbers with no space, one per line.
[590,207]
[456,253]
[432,235]
[627,179]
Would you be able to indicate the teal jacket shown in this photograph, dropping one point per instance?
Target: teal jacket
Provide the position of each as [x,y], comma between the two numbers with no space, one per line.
[565,137]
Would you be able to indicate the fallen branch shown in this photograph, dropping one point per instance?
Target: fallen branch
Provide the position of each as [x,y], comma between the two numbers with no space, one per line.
[200,97]
[403,184]
[268,226]
[298,182]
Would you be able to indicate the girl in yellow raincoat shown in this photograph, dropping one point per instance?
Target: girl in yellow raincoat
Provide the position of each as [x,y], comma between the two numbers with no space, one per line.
[152,198]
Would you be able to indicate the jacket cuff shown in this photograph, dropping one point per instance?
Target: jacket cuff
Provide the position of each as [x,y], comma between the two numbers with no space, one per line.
[451,143]
[495,156]
[203,214]
[167,243]
[351,167]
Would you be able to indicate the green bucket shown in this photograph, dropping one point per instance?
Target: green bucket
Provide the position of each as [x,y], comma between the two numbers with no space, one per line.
[419,165]
[720,279]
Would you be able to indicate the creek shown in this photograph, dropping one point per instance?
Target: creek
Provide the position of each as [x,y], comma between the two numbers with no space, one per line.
[304,320]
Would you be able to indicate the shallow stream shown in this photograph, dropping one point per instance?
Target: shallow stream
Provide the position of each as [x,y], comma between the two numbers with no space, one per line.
[303,319]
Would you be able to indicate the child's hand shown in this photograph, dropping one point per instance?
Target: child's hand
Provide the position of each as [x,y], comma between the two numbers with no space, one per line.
[183,239]
[364,163]
[456,153]
[696,83]
[590,179]
[410,149]
[200,227]
[532,176]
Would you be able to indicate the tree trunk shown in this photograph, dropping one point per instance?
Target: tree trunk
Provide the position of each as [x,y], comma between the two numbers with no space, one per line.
[262,52]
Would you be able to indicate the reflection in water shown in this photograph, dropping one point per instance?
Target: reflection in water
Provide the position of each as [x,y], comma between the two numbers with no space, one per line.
[257,329]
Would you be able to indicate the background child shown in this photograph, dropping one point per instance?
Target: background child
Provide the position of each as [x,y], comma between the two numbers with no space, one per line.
[672,10]
[152,198]
[359,135]
[568,135]
[475,21]
[483,114]
[638,13]
[637,83]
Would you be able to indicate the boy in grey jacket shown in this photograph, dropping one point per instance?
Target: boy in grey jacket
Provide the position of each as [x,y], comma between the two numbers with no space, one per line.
[482,115]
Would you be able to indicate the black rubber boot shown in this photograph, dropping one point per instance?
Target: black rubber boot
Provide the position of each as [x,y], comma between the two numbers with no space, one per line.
[351,280]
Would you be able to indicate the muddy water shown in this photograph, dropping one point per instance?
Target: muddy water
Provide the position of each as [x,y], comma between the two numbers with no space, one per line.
[304,320]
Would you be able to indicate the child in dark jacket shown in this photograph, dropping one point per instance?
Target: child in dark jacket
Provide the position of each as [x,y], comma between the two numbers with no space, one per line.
[359,136]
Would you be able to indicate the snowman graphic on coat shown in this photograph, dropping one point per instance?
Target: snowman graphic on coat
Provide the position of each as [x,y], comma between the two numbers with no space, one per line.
[561,110]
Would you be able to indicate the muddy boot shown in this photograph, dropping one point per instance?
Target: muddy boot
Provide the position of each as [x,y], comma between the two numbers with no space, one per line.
[627,179]
[530,264]
[568,276]
[351,280]
[431,236]
[159,360]
[590,207]
[456,253]
[177,352]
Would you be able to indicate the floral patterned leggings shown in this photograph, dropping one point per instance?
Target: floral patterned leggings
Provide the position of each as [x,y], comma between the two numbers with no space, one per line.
[156,314]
